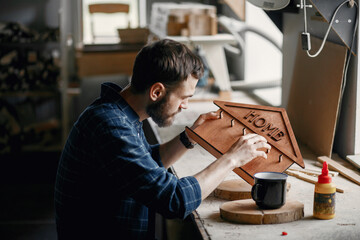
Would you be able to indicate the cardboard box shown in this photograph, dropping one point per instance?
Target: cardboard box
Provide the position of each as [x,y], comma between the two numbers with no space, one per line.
[173,19]
[104,63]
[133,35]
[174,27]
[202,24]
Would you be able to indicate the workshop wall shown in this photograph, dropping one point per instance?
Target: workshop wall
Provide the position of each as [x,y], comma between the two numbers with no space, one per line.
[346,138]
[37,14]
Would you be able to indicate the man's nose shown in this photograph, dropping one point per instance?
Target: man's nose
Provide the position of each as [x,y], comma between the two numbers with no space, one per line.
[184,104]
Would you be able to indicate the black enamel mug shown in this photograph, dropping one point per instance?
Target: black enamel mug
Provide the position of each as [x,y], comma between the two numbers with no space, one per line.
[269,190]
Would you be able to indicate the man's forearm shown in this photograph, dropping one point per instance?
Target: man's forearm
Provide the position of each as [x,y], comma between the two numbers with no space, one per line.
[213,175]
[209,178]
[171,151]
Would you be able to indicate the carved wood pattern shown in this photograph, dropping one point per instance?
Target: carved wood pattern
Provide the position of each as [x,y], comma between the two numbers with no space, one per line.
[217,136]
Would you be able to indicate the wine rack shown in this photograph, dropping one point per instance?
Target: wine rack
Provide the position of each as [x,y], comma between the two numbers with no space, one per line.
[30,95]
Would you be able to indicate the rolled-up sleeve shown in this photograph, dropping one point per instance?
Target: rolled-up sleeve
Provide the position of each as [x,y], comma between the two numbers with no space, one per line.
[155,153]
[191,191]
[138,173]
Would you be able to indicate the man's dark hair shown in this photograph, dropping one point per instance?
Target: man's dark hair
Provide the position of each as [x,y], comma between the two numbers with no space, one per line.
[165,61]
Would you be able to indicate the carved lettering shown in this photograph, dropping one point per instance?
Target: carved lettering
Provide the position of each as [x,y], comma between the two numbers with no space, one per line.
[252,116]
[247,115]
[273,132]
[260,122]
[278,136]
[268,128]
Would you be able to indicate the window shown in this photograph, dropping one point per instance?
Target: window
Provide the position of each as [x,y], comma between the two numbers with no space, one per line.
[106,25]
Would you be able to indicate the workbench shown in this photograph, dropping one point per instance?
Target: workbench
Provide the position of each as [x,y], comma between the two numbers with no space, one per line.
[345,225]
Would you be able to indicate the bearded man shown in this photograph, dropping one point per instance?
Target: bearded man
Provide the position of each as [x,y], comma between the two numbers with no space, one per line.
[110,182]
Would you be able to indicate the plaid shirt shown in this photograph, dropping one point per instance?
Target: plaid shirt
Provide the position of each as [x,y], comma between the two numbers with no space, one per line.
[109,177]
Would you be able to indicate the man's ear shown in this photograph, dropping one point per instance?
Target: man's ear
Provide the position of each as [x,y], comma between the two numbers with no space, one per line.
[157,91]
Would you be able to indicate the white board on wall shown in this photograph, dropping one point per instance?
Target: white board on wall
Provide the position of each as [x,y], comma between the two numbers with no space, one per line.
[348,142]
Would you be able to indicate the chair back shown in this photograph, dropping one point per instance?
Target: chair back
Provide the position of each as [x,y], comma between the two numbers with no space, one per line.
[108,8]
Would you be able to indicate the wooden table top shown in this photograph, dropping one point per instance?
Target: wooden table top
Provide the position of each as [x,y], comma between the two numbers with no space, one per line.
[345,225]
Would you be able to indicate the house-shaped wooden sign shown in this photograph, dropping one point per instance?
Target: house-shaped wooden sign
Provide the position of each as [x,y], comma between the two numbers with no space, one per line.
[217,136]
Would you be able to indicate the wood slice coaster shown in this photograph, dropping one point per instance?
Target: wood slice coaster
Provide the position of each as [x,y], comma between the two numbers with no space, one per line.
[246,211]
[235,189]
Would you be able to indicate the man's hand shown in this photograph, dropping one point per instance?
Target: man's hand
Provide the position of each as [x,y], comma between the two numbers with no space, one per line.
[240,153]
[203,117]
[246,149]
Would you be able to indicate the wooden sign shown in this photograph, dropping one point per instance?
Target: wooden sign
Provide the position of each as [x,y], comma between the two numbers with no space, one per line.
[217,136]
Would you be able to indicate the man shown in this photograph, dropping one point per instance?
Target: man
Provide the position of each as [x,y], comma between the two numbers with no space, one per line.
[110,181]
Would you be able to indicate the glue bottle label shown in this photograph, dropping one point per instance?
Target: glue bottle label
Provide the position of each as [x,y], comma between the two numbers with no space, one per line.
[324,203]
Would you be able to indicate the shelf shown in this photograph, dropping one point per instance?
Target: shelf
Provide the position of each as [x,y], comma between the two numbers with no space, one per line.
[31,89]
[33,46]
[91,48]
[35,93]
[41,148]
[73,91]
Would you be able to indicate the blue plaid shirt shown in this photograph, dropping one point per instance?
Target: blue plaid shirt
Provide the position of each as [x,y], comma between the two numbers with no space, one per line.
[109,177]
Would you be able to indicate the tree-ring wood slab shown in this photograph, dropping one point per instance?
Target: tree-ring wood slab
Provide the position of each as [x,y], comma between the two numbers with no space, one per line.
[246,211]
[235,189]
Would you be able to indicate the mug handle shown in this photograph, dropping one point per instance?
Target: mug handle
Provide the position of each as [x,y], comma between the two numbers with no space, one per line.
[254,192]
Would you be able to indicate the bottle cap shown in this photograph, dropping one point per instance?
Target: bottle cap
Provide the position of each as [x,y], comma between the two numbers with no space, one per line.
[324,177]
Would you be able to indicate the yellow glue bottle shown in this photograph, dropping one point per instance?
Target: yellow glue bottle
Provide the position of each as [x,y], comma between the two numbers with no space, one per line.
[324,196]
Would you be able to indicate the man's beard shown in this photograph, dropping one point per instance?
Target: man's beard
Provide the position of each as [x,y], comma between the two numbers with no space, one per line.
[157,111]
